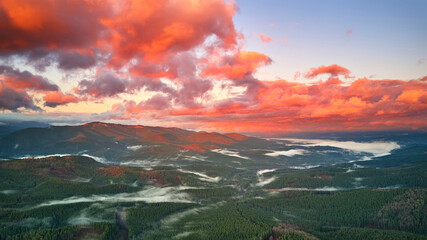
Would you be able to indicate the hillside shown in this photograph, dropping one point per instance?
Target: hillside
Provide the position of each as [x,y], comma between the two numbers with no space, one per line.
[115,142]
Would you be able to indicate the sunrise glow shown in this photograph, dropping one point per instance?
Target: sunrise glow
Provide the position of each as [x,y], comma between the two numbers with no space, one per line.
[259,67]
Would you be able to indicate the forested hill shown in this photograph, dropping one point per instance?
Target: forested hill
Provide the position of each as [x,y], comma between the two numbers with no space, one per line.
[112,140]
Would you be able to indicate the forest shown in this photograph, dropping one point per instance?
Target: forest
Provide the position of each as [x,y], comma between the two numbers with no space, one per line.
[75,197]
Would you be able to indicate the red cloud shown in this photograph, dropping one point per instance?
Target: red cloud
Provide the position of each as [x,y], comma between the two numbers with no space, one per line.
[27,24]
[265,38]
[155,30]
[334,70]
[150,31]
[54,99]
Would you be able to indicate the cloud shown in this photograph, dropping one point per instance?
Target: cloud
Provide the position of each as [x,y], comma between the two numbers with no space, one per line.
[74,60]
[25,80]
[132,44]
[106,84]
[54,99]
[265,38]
[333,70]
[16,87]
[411,96]
[157,102]
[27,25]
[159,30]
[283,106]
[144,32]
[12,100]
[238,66]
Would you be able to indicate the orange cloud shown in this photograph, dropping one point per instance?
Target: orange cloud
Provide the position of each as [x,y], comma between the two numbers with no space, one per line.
[238,66]
[264,38]
[54,99]
[412,96]
[333,70]
[283,106]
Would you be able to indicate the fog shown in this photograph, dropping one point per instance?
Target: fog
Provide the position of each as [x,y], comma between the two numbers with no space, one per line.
[94,213]
[229,153]
[202,176]
[137,147]
[261,172]
[8,192]
[166,222]
[391,187]
[304,167]
[287,153]
[98,159]
[141,163]
[80,179]
[183,235]
[323,189]
[375,148]
[134,148]
[149,195]
[264,182]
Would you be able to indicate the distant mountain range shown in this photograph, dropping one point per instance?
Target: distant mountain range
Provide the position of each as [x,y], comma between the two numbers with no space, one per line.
[144,146]
[115,141]
[12,126]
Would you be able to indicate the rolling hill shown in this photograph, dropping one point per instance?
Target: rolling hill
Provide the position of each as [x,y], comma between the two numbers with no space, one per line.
[118,143]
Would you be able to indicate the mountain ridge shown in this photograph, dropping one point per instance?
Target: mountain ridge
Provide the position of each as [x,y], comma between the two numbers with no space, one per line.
[111,140]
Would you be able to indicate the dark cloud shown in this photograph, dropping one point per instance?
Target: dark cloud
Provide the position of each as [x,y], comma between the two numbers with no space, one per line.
[105,85]
[25,80]
[157,102]
[12,100]
[74,60]
[191,90]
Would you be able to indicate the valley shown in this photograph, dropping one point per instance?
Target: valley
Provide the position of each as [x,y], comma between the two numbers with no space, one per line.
[125,182]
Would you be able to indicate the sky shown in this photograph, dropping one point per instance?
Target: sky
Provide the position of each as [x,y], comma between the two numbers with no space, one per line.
[265,67]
